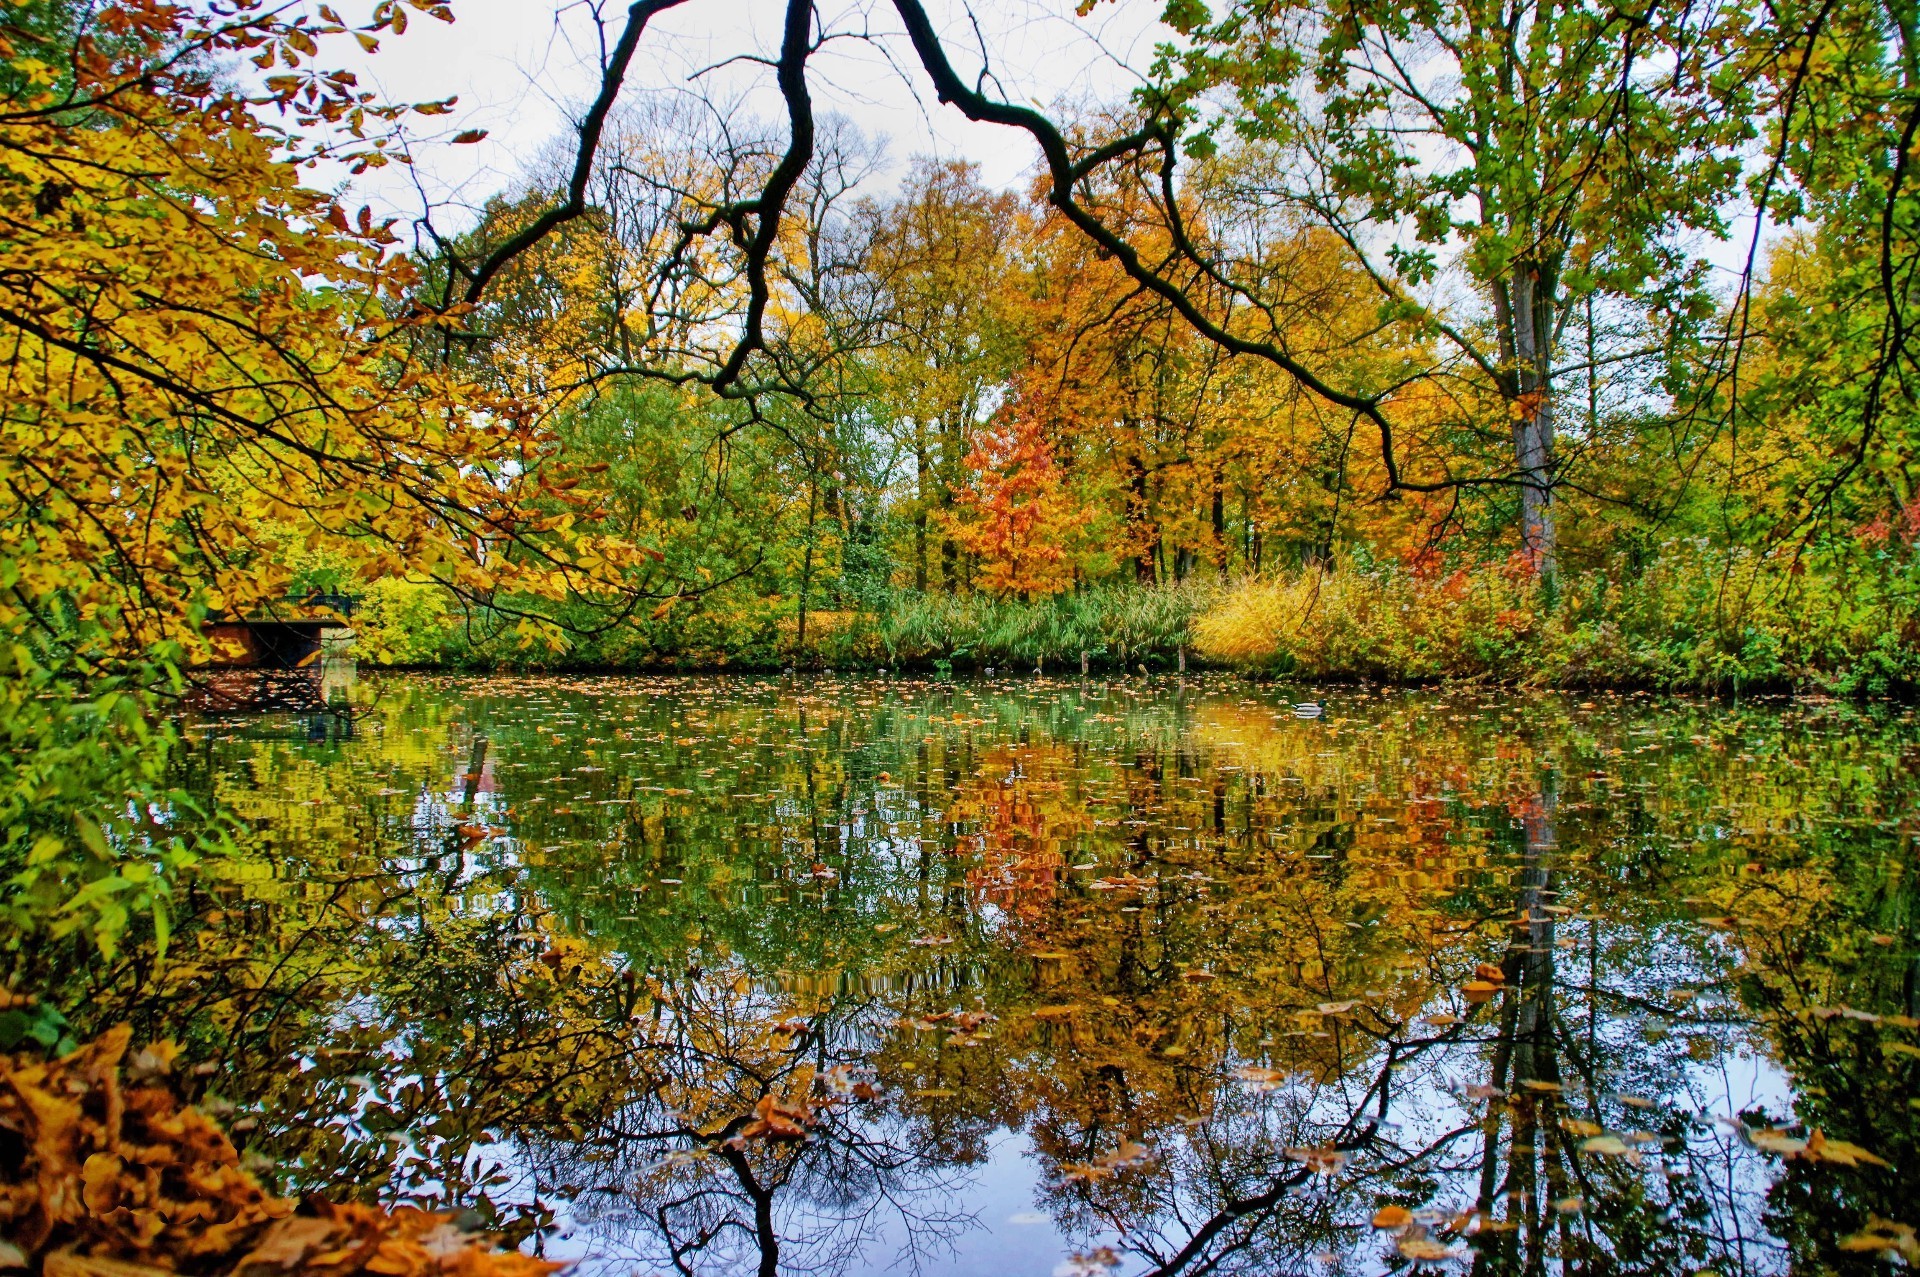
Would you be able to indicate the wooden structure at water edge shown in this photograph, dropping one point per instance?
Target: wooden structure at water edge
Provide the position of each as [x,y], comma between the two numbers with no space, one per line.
[274,665]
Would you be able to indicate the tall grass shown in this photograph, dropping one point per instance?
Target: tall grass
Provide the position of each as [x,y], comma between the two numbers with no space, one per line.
[1691,619]
[1113,625]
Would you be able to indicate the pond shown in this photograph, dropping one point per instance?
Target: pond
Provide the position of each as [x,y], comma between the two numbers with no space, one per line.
[1030,976]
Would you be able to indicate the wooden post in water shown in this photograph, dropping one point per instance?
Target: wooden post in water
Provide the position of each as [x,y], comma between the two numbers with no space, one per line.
[1181,652]
[476,761]
[1083,665]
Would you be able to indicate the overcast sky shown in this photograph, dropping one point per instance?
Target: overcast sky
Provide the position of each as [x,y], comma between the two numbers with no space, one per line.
[523,69]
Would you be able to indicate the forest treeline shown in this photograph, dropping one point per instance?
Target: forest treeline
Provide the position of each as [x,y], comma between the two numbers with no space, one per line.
[976,439]
[1550,411]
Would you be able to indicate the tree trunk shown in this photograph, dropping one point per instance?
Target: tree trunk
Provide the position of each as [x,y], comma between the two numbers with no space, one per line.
[1145,542]
[1220,522]
[806,576]
[1532,409]
[920,476]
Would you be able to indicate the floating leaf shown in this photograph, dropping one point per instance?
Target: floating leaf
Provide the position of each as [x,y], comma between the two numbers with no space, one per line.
[1768,1140]
[1425,1250]
[1821,1149]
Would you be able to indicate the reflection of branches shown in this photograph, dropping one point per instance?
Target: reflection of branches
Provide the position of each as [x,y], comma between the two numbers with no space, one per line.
[691,1149]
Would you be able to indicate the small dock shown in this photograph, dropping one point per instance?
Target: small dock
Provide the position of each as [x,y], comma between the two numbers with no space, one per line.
[277,665]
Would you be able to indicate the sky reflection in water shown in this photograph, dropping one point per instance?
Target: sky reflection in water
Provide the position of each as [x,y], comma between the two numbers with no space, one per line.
[1038,976]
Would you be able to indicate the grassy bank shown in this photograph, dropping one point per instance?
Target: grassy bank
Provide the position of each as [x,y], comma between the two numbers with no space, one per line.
[1688,620]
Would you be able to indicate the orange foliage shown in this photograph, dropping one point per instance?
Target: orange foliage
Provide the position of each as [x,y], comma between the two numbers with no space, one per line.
[109,1175]
[1018,516]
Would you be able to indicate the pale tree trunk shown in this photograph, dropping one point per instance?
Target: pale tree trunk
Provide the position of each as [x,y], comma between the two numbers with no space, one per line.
[921,497]
[1531,311]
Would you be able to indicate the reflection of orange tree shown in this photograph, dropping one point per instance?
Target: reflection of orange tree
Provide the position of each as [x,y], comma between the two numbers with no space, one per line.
[1143,989]
[1024,817]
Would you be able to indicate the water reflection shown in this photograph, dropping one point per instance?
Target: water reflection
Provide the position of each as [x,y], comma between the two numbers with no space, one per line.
[734,975]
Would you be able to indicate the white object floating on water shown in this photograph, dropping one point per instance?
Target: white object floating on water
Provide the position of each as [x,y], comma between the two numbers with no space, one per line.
[1307,709]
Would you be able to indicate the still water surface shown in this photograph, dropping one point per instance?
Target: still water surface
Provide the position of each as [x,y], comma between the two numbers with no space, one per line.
[1048,977]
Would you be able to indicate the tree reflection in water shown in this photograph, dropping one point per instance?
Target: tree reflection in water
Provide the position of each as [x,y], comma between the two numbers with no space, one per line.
[720,977]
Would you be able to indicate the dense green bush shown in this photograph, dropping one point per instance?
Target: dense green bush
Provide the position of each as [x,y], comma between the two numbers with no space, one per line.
[96,832]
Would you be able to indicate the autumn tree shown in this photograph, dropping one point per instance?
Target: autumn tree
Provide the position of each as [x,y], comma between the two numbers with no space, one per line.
[1545,155]
[942,256]
[211,371]
[1017,517]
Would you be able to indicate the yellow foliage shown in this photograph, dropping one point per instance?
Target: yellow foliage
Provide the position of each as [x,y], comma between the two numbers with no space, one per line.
[205,359]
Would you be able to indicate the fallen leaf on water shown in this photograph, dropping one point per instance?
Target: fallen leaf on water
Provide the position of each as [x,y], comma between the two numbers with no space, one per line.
[1821,1149]
[1392,1217]
[1768,1140]
[1574,1126]
[1425,1250]
[1885,1235]
[1322,1160]
[1570,1205]
[1094,1263]
[774,1119]
[1261,1079]
[1605,1145]
[1129,1154]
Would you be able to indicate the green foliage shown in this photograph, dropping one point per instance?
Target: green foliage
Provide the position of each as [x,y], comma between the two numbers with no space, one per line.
[94,836]
[398,622]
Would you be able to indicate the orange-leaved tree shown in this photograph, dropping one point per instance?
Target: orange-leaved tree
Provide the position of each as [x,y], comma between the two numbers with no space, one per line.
[1017,516]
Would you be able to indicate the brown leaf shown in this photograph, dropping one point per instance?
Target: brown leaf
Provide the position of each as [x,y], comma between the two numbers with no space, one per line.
[1821,1149]
[287,1243]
